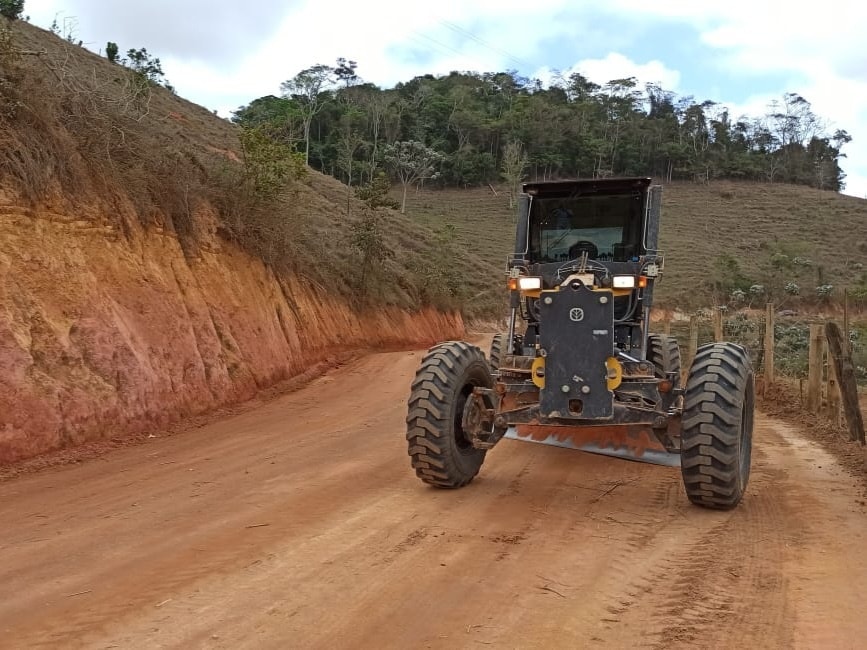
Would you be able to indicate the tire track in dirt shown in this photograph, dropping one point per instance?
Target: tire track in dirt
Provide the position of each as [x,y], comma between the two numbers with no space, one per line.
[821,541]
[712,577]
[732,567]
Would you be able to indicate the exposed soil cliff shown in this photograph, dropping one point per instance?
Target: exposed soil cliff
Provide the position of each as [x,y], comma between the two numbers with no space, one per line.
[102,335]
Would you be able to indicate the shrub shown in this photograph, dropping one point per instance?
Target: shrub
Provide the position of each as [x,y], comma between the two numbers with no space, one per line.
[12,9]
[792,289]
[368,240]
[825,290]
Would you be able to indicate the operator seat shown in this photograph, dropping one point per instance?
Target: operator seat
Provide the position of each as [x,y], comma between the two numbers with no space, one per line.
[583,246]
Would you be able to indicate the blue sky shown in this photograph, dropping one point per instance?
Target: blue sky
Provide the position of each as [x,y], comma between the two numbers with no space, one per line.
[742,53]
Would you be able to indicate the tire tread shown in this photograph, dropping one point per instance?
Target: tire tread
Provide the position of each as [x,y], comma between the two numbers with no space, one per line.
[438,382]
[719,387]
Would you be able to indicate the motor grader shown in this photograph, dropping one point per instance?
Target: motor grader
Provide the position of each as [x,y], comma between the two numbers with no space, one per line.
[578,366]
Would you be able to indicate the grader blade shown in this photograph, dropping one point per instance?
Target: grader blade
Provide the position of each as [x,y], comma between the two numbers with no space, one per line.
[632,442]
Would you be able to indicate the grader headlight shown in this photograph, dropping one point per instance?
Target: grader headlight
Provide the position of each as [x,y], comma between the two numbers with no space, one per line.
[529,283]
[525,283]
[629,281]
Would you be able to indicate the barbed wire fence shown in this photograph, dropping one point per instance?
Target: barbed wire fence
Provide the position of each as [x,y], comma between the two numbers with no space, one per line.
[795,353]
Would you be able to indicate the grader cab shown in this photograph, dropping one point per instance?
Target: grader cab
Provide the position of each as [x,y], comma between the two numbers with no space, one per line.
[578,366]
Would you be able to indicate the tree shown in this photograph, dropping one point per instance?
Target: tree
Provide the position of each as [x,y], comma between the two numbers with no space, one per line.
[376,193]
[437,273]
[514,165]
[620,101]
[726,278]
[111,51]
[347,146]
[345,73]
[147,68]
[794,122]
[375,104]
[268,165]
[306,87]
[411,162]
[12,9]
[367,238]
[569,128]
[278,116]
[146,65]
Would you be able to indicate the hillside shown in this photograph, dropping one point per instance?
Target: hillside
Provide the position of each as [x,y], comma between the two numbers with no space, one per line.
[480,123]
[80,132]
[82,138]
[700,223]
[155,265]
[143,276]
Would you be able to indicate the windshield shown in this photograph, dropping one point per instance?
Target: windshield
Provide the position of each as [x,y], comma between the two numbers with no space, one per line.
[607,228]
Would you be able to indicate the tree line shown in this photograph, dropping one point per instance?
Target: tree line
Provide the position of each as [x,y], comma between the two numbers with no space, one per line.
[473,128]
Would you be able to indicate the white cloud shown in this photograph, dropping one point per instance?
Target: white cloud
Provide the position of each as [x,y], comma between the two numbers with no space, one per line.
[821,51]
[392,42]
[617,66]
[820,54]
[196,29]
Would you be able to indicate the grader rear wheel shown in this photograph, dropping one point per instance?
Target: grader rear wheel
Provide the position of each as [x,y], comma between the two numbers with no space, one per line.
[496,354]
[664,353]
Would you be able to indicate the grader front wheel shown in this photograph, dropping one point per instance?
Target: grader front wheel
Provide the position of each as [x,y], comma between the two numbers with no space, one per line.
[717,426]
[441,452]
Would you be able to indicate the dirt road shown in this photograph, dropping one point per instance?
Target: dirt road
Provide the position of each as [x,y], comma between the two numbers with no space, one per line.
[300,524]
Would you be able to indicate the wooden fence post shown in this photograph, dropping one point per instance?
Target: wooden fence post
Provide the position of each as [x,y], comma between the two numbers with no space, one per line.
[832,388]
[845,371]
[693,339]
[717,325]
[768,372]
[846,340]
[814,377]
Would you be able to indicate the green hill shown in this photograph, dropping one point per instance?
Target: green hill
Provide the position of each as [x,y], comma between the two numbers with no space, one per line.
[700,223]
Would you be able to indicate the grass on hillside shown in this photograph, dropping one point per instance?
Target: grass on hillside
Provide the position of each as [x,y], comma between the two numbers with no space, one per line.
[72,134]
[699,222]
[77,133]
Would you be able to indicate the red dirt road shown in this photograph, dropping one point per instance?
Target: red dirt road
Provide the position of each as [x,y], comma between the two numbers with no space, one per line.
[300,524]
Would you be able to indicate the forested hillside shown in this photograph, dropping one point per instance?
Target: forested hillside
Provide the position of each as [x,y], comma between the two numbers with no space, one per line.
[468,128]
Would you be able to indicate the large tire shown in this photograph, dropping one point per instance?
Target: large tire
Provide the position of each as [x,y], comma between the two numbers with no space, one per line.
[496,354]
[717,426]
[442,455]
[664,353]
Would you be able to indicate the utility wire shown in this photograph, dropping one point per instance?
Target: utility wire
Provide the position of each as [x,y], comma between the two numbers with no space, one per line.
[460,30]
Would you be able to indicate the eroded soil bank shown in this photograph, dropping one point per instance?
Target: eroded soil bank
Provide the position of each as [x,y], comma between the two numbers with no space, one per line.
[103,335]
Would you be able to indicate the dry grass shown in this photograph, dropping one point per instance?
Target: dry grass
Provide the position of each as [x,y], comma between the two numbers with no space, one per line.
[74,132]
[77,133]
[699,223]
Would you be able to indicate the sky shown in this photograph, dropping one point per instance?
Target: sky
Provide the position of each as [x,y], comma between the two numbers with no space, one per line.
[741,53]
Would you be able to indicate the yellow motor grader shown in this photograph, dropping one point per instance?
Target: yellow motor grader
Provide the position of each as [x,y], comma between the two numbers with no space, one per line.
[578,366]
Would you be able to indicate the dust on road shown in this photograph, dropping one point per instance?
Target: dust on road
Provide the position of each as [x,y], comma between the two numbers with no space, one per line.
[301,524]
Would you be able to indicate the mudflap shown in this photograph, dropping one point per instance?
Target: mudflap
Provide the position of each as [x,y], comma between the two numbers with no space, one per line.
[629,441]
